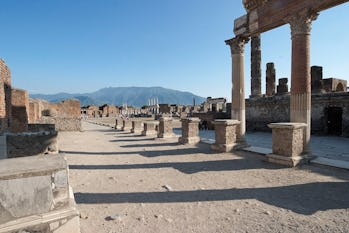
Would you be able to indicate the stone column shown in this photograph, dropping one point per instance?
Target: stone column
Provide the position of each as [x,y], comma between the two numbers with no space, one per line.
[225,135]
[300,102]
[190,131]
[256,56]
[270,79]
[126,125]
[165,128]
[150,128]
[288,141]
[137,127]
[237,45]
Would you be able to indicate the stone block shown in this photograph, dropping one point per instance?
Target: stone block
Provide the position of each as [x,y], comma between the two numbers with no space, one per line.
[137,127]
[288,141]
[225,135]
[126,125]
[190,131]
[149,128]
[165,128]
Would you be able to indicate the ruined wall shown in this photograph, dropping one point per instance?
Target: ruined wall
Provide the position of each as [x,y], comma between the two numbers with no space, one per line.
[29,144]
[34,112]
[5,96]
[65,115]
[262,111]
[19,110]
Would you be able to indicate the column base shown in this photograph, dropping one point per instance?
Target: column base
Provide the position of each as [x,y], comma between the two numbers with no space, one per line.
[190,140]
[286,161]
[223,147]
[167,135]
[149,133]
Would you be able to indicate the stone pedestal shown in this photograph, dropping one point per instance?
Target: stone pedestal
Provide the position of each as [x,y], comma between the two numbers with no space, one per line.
[165,128]
[137,127]
[190,131]
[288,139]
[118,123]
[225,135]
[126,125]
[36,195]
[150,128]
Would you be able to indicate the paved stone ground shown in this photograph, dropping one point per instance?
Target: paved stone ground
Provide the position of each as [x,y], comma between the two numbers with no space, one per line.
[323,146]
[128,183]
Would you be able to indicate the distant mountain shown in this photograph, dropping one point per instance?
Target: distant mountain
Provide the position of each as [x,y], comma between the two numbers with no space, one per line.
[133,96]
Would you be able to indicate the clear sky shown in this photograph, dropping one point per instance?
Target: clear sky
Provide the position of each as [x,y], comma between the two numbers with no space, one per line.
[81,46]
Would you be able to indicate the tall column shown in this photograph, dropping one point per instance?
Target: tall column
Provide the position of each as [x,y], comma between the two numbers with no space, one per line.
[256,55]
[270,79]
[237,46]
[300,103]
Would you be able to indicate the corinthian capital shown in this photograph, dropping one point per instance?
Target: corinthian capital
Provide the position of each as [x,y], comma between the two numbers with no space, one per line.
[301,22]
[237,44]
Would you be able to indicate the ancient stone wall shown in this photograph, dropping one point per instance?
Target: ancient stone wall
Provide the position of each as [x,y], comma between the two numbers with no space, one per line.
[262,111]
[29,144]
[5,96]
[19,110]
[65,115]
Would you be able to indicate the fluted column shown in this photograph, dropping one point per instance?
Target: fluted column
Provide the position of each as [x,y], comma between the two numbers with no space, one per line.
[237,46]
[300,103]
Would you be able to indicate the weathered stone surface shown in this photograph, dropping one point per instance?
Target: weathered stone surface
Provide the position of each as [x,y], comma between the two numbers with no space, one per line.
[270,79]
[165,128]
[35,196]
[256,75]
[137,127]
[19,110]
[282,88]
[28,144]
[225,135]
[288,142]
[126,125]
[150,128]
[190,131]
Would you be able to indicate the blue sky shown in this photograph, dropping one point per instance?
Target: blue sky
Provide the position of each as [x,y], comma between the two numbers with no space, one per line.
[80,46]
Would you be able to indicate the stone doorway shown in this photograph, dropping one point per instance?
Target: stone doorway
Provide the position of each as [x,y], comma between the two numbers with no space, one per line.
[334,120]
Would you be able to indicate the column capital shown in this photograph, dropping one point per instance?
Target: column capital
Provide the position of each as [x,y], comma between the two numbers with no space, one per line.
[300,23]
[237,44]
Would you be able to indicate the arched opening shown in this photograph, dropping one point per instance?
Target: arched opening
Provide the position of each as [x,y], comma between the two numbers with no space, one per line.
[340,87]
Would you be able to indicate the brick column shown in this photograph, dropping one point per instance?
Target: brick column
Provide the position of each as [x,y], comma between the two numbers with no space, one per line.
[190,131]
[300,102]
[165,128]
[256,55]
[225,135]
[270,79]
[137,127]
[237,45]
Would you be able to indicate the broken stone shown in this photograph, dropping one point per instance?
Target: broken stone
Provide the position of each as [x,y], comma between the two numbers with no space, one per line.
[167,187]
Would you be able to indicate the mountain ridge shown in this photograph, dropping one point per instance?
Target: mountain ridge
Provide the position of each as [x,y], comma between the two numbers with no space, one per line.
[133,96]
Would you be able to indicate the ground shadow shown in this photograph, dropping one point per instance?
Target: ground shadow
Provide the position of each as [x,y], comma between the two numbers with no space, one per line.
[302,198]
[189,167]
[151,145]
[132,140]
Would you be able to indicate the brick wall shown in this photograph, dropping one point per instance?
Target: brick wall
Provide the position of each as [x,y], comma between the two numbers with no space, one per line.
[19,111]
[5,96]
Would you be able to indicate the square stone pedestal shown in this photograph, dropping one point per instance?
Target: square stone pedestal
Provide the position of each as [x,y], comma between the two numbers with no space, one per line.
[165,128]
[118,123]
[137,127]
[225,135]
[150,128]
[126,125]
[288,141]
[190,131]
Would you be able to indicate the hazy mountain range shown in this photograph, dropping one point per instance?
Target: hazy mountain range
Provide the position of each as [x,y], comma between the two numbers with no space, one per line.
[132,96]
